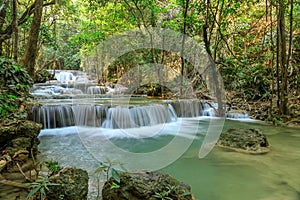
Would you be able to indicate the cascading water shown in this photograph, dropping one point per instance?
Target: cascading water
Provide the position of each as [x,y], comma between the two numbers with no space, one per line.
[55,116]
[192,108]
[124,117]
[78,112]
[96,90]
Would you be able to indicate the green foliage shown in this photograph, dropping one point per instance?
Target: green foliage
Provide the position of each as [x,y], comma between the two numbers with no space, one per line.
[41,76]
[15,84]
[107,168]
[252,81]
[39,187]
[170,192]
[53,167]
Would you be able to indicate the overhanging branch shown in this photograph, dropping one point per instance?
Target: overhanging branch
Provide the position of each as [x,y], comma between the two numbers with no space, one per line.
[29,11]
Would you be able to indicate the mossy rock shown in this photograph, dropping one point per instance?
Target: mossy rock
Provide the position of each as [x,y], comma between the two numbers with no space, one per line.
[146,185]
[17,129]
[251,141]
[20,135]
[73,185]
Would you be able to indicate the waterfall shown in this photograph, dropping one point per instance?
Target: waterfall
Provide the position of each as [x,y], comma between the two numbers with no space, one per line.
[80,114]
[55,116]
[125,117]
[65,76]
[96,90]
[237,115]
[192,108]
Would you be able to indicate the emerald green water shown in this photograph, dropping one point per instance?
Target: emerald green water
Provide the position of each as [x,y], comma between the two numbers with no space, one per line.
[222,175]
[225,175]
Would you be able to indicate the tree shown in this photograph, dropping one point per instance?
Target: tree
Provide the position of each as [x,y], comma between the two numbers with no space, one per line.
[9,23]
[32,45]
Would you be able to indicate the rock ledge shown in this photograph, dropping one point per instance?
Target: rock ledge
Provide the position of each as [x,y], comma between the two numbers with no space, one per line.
[251,141]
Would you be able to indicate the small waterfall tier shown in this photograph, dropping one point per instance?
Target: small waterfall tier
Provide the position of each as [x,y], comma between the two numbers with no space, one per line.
[237,114]
[124,117]
[96,90]
[129,116]
[55,116]
[192,108]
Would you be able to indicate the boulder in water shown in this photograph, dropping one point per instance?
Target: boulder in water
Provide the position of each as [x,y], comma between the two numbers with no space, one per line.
[251,141]
[146,185]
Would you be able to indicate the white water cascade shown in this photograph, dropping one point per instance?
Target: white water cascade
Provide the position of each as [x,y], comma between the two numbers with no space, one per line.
[96,90]
[106,116]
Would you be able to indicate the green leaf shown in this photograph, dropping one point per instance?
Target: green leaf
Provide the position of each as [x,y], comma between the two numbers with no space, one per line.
[33,191]
[115,186]
[115,175]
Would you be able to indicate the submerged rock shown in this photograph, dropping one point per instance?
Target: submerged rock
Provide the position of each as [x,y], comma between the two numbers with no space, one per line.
[251,141]
[146,185]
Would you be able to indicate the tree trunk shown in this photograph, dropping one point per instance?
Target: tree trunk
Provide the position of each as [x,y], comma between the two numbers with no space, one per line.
[216,86]
[185,7]
[32,45]
[281,49]
[3,9]
[15,30]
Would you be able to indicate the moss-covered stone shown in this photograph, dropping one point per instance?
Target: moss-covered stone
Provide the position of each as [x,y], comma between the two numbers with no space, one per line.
[19,129]
[251,141]
[20,135]
[146,185]
[73,185]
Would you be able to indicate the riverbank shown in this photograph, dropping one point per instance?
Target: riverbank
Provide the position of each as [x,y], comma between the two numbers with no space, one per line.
[266,110]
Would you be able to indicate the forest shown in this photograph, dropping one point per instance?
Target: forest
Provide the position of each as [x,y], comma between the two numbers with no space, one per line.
[179,87]
[254,44]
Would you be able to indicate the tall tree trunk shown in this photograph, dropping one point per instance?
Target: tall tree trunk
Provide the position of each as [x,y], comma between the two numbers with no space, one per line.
[32,44]
[216,85]
[270,8]
[55,39]
[281,49]
[15,30]
[290,32]
[3,9]
[205,32]
[185,6]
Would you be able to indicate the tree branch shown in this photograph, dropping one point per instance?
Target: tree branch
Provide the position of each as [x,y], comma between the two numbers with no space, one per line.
[6,34]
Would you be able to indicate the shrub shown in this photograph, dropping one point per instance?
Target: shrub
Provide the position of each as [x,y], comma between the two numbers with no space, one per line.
[15,84]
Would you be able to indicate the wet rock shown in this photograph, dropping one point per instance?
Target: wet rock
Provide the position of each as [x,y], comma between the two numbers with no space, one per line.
[146,185]
[73,185]
[251,141]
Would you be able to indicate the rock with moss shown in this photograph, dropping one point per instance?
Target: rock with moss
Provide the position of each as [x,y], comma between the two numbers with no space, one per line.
[146,185]
[251,141]
[20,135]
[72,185]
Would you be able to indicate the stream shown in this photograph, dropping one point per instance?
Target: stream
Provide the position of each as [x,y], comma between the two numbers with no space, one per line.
[221,175]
